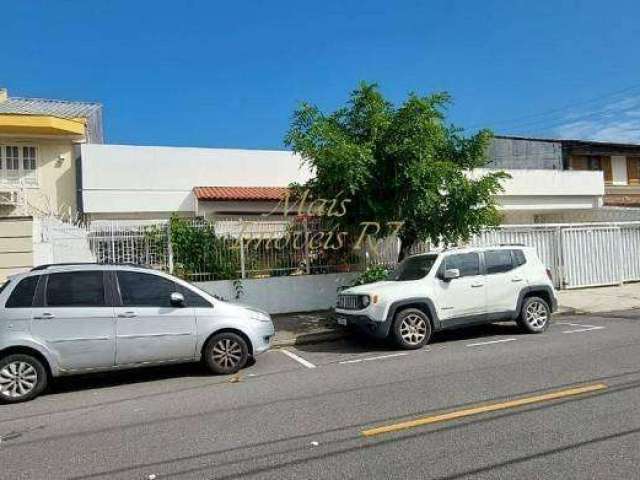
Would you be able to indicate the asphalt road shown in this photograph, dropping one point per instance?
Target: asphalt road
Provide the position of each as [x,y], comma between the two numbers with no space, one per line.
[302,414]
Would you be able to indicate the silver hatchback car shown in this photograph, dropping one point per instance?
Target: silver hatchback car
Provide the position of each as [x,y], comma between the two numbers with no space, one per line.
[68,319]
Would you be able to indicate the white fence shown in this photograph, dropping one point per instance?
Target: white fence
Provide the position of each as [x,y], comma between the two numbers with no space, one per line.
[578,255]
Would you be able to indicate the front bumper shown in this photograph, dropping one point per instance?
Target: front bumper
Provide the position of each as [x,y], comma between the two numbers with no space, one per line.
[262,337]
[364,323]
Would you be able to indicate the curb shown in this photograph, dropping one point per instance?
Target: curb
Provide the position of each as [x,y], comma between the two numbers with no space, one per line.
[308,338]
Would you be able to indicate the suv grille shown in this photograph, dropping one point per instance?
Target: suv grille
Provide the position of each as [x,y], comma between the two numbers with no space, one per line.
[349,302]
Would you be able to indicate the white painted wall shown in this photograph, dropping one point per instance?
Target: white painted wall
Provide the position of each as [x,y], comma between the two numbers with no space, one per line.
[540,190]
[120,180]
[305,293]
[619,170]
[126,178]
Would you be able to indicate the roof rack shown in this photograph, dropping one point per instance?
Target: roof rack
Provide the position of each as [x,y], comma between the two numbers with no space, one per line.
[512,245]
[72,264]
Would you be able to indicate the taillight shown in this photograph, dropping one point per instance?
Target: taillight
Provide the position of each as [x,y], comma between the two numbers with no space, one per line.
[549,275]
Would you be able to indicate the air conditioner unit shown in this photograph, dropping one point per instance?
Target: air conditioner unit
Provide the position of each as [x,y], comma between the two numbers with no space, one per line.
[9,197]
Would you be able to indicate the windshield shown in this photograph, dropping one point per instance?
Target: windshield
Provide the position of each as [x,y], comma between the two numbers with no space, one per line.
[413,268]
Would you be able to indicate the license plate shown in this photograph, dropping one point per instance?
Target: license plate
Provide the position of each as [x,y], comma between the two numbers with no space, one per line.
[342,321]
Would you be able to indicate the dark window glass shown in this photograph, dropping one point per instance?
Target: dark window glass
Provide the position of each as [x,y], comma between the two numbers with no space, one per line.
[4,285]
[498,261]
[467,263]
[413,268]
[146,290]
[192,299]
[518,256]
[22,295]
[75,289]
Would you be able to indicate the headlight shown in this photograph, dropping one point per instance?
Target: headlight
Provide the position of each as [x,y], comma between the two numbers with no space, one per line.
[365,301]
[259,315]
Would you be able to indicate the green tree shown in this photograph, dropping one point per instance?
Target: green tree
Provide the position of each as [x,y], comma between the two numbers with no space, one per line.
[399,163]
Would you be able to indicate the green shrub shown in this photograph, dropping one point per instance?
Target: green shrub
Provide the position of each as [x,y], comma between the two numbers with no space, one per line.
[372,274]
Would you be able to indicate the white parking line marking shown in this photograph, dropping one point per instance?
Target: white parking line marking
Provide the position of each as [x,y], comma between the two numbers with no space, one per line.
[379,357]
[590,328]
[584,327]
[490,342]
[298,359]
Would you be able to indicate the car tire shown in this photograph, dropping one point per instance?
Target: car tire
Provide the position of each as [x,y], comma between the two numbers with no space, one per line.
[535,315]
[411,329]
[226,353]
[22,378]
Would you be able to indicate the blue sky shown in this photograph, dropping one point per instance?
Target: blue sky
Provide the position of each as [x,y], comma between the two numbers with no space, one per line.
[229,74]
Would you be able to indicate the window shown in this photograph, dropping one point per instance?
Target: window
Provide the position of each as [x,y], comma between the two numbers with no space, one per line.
[519,258]
[18,164]
[498,261]
[12,164]
[75,289]
[192,299]
[146,290]
[467,263]
[413,268]
[633,170]
[29,164]
[22,295]
[592,162]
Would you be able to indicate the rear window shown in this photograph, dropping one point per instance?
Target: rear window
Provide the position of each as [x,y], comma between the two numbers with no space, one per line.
[519,258]
[75,289]
[22,295]
[498,261]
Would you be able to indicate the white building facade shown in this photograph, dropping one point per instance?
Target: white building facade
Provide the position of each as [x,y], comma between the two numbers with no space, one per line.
[121,182]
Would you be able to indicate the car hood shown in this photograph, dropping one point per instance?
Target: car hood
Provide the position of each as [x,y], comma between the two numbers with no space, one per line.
[380,288]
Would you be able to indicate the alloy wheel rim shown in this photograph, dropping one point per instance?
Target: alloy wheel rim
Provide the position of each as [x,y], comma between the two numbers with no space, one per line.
[18,379]
[413,329]
[227,353]
[536,315]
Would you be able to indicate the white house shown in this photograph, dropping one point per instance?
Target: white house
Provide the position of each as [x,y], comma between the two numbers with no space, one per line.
[121,182]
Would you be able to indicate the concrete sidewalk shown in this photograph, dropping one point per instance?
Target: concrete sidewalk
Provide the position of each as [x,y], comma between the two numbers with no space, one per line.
[314,327]
[600,299]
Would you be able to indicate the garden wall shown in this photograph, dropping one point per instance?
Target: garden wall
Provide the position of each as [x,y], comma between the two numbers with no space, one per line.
[284,294]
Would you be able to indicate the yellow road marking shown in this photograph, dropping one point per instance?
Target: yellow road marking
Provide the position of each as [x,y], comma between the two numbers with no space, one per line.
[491,407]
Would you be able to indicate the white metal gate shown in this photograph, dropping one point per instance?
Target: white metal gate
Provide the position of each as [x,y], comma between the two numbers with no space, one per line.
[592,256]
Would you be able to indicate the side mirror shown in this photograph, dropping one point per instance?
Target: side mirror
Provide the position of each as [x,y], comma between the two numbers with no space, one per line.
[177,299]
[450,274]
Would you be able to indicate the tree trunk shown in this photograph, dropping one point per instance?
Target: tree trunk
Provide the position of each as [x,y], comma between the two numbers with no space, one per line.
[405,247]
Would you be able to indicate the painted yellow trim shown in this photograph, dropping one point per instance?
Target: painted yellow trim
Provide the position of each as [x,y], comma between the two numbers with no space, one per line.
[491,407]
[39,125]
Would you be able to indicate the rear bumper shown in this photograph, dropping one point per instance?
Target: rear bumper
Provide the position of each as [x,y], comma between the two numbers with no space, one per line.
[365,324]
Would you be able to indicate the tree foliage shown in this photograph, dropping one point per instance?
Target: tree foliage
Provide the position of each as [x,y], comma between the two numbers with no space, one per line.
[399,163]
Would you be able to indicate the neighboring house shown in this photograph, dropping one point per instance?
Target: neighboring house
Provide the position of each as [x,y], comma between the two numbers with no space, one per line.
[38,153]
[121,182]
[125,182]
[619,165]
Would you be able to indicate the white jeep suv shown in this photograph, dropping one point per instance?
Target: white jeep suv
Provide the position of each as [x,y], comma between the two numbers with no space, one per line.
[454,288]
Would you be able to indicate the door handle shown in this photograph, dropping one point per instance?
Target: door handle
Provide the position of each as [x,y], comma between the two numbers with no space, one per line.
[477,285]
[44,316]
[127,315]
[517,279]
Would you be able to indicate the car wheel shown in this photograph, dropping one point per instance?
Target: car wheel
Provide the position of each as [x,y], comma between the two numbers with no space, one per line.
[226,353]
[412,329]
[22,378]
[534,315]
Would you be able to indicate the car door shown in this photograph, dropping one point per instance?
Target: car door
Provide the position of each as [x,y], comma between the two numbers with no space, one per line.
[461,299]
[75,319]
[504,282]
[149,327]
